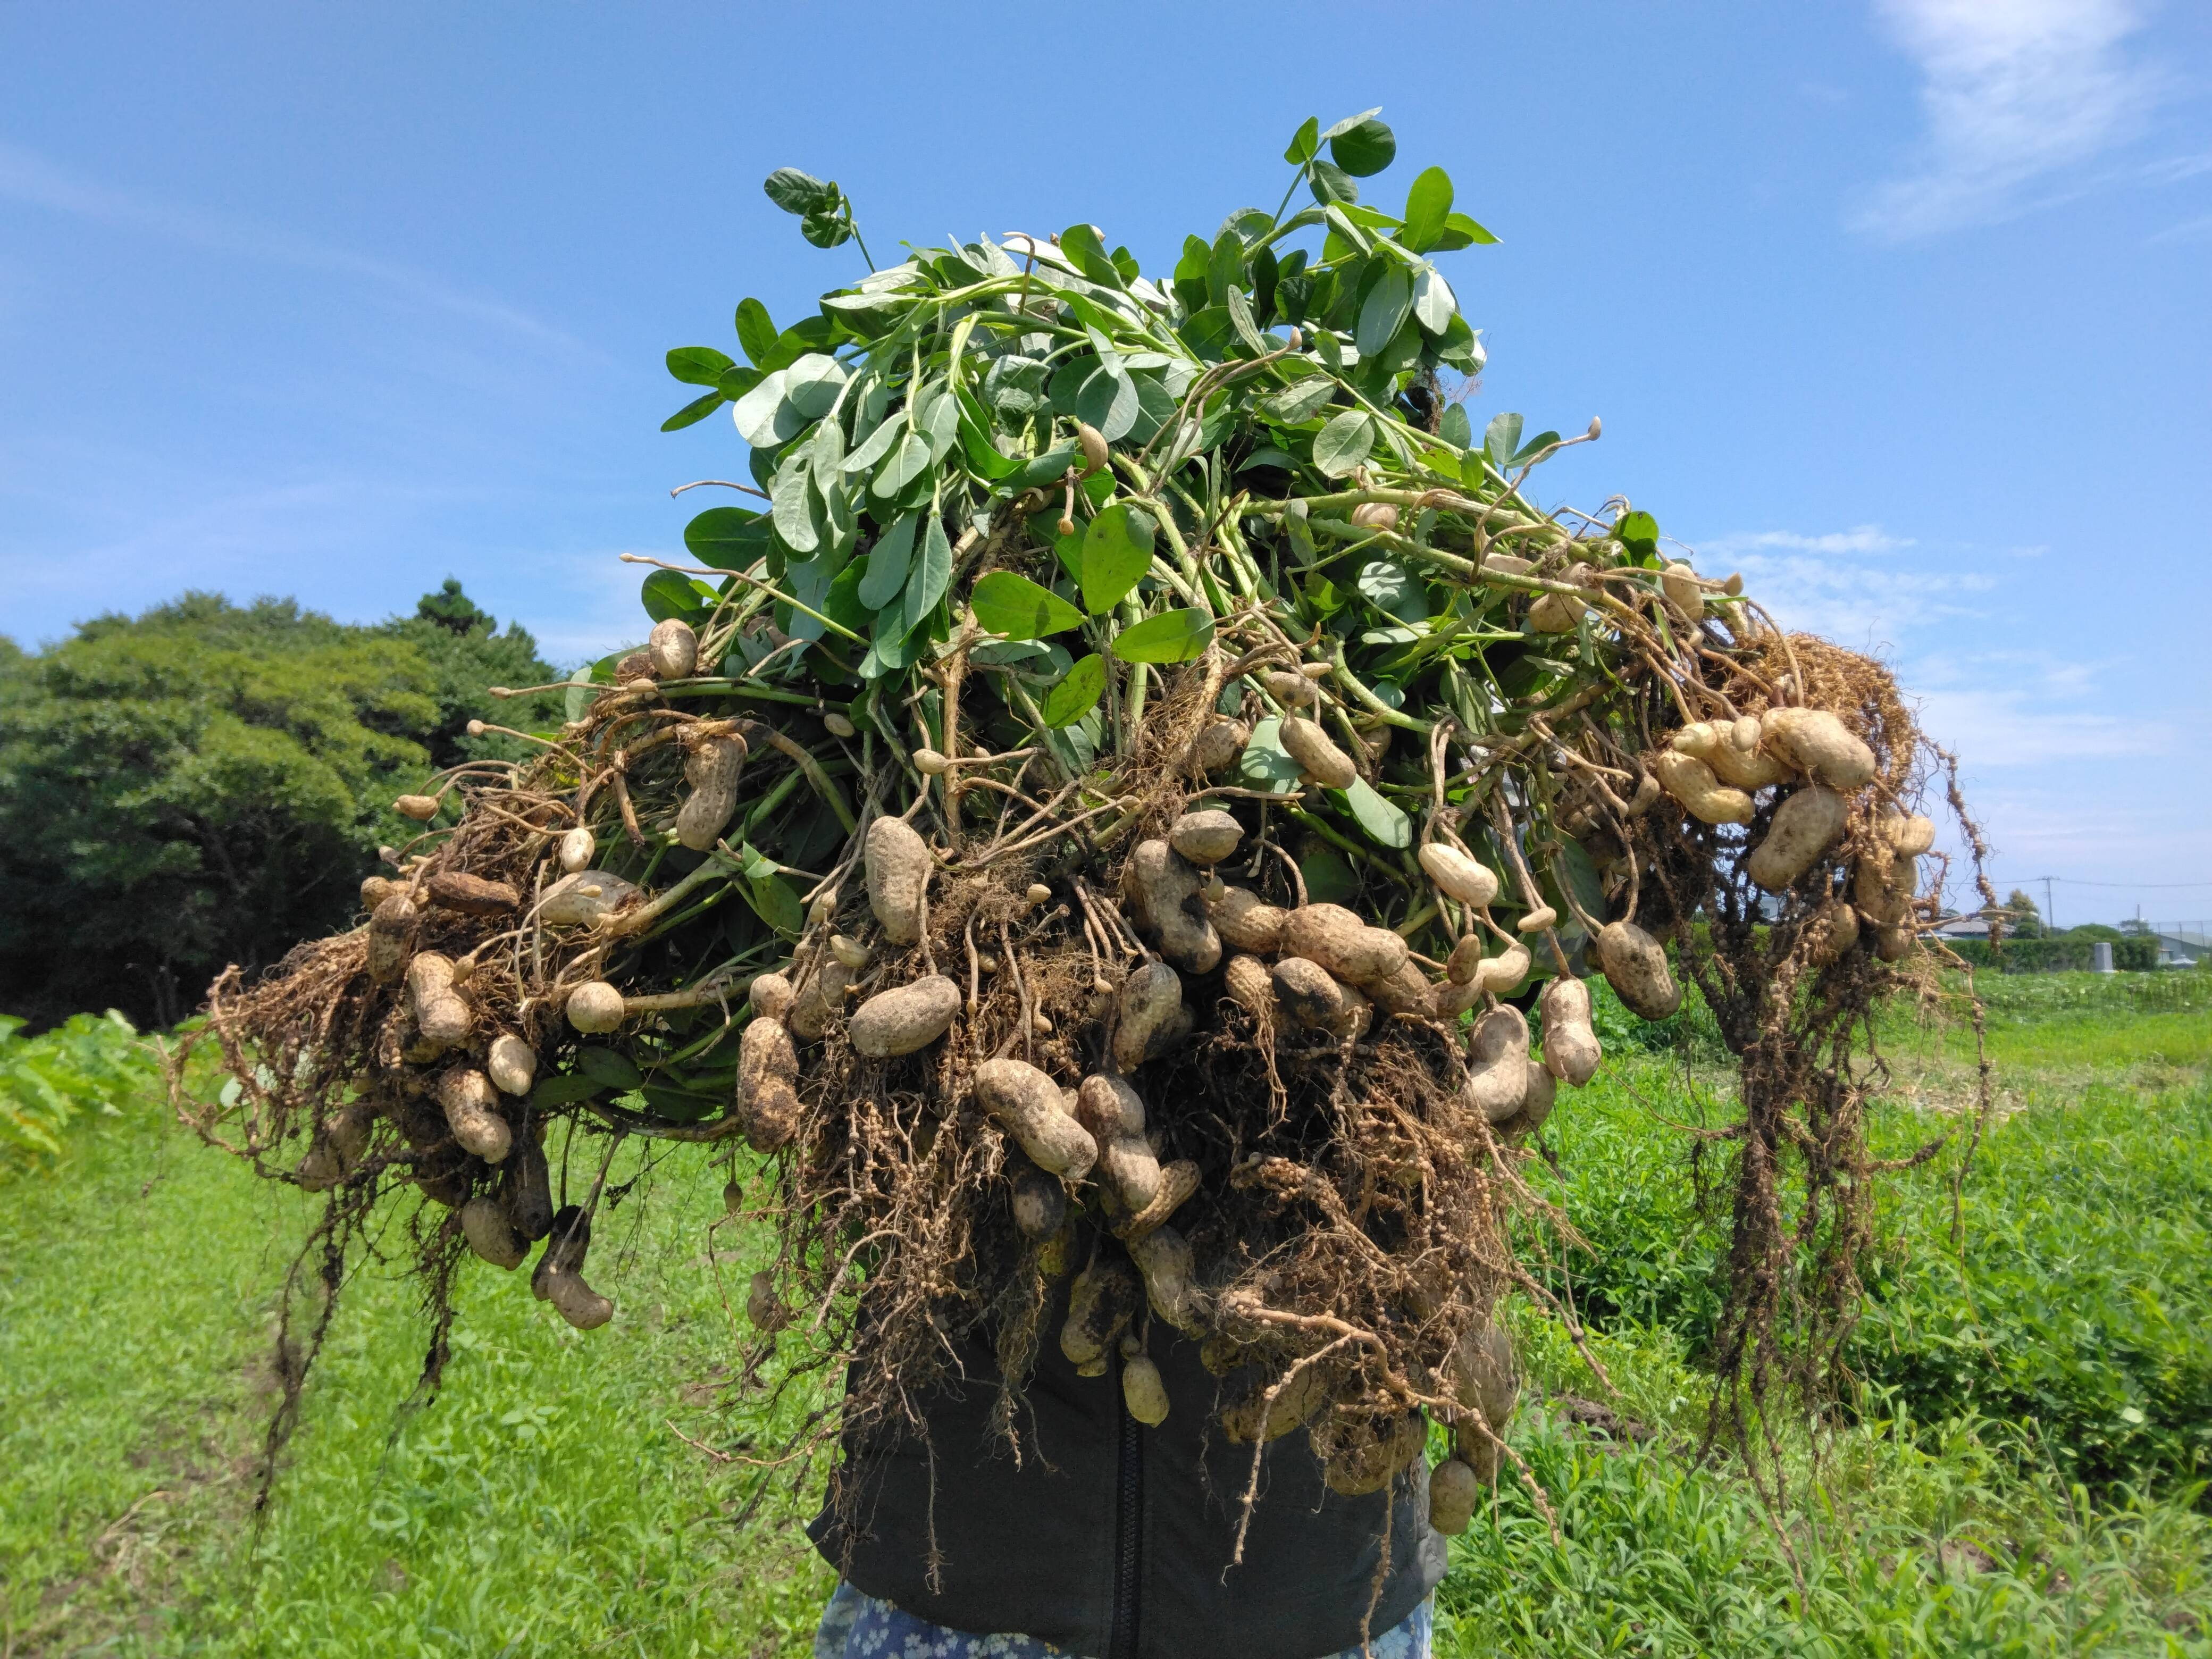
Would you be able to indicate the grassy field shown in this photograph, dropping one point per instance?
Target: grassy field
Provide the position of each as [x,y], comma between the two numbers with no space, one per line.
[2024,1474]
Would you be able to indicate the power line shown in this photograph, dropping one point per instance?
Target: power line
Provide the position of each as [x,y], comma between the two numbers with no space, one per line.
[2070,882]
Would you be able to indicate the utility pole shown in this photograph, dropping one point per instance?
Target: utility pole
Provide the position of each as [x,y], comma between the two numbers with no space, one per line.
[2050,913]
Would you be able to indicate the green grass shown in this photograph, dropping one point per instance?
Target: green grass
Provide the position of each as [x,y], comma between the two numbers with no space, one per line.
[2047,1026]
[545,1502]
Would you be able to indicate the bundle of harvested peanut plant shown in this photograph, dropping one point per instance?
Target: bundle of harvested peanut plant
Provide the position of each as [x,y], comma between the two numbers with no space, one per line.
[1108,812]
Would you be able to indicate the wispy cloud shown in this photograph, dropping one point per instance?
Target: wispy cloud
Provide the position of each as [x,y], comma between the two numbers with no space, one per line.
[583,605]
[1866,538]
[1994,727]
[2189,230]
[2016,92]
[1840,583]
[29,177]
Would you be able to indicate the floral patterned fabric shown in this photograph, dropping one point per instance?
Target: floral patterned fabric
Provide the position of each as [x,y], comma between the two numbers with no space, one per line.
[857,1627]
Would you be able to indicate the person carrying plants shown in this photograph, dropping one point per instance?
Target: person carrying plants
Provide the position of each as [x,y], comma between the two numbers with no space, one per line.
[1078,857]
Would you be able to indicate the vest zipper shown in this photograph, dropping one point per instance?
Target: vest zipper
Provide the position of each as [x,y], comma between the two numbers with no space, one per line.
[1128,1520]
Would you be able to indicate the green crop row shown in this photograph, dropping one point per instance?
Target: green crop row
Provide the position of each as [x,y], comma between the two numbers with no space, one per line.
[89,1063]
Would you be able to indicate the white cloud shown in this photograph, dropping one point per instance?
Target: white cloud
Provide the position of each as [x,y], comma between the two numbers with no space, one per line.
[1866,538]
[1994,727]
[2189,230]
[29,177]
[2015,91]
[1820,582]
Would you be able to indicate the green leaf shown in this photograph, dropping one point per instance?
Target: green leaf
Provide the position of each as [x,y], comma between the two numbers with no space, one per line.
[841,605]
[737,379]
[756,333]
[1117,550]
[1455,429]
[808,582]
[907,462]
[1536,447]
[1081,244]
[1331,183]
[887,562]
[669,593]
[765,420]
[1460,231]
[1384,312]
[776,903]
[1500,439]
[1299,401]
[1239,314]
[1365,148]
[1386,825]
[1265,764]
[609,1068]
[1014,605]
[1428,204]
[1394,590]
[887,649]
[940,424]
[1225,269]
[727,537]
[1108,401]
[1344,443]
[693,412]
[1077,694]
[1638,533]
[877,446]
[1433,301]
[811,384]
[699,365]
[1175,636]
[816,333]
[1340,224]
[931,576]
[799,192]
[793,512]
[1305,142]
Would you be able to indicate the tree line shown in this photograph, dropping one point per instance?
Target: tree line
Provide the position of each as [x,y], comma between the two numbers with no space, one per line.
[207,782]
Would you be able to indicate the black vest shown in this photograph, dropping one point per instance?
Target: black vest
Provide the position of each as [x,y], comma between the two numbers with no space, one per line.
[1112,1539]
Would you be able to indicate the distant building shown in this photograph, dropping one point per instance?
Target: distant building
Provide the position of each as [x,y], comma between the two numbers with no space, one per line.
[1962,928]
[2182,945]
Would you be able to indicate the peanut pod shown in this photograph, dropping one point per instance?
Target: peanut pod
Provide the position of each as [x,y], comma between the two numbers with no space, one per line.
[1100,1305]
[1159,885]
[1497,1064]
[1635,964]
[1805,826]
[1819,744]
[897,862]
[1114,1113]
[1145,1013]
[471,1110]
[1026,1104]
[1343,944]
[1571,1045]
[712,768]
[899,1022]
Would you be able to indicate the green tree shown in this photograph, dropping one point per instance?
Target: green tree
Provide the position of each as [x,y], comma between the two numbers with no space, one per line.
[207,783]
[2027,920]
[466,652]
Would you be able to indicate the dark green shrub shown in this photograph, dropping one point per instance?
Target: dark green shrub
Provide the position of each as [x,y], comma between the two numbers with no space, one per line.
[2074,952]
[207,783]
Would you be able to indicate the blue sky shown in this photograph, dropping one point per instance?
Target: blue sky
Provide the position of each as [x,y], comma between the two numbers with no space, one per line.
[1902,307]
